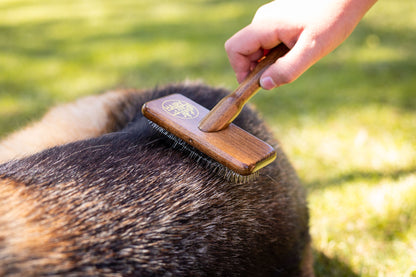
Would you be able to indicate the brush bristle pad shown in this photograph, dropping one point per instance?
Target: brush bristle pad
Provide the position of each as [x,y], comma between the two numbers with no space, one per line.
[232,147]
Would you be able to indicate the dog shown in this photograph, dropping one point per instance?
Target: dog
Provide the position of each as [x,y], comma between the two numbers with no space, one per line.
[92,190]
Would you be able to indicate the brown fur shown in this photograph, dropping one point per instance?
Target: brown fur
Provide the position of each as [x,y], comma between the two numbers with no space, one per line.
[116,200]
[86,118]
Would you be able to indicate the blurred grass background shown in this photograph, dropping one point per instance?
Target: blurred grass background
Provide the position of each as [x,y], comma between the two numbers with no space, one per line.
[348,124]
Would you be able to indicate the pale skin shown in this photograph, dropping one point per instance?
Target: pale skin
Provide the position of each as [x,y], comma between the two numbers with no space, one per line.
[311,29]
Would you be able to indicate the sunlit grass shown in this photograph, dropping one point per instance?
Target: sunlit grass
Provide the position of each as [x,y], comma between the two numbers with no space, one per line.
[350,140]
[378,234]
[57,51]
[348,124]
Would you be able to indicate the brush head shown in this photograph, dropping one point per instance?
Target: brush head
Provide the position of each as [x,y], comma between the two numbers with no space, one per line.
[232,147]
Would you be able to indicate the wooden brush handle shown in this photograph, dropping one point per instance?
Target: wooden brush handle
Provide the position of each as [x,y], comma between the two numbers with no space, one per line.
[230,106]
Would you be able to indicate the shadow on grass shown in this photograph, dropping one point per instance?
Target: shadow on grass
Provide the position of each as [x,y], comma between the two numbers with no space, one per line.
[331,267]
[354,176]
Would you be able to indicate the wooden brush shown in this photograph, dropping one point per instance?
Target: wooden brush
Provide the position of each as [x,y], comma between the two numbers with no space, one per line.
[235,153]
[230,106]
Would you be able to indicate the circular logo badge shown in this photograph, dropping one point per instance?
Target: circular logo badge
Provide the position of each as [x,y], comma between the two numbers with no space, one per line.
[180,109]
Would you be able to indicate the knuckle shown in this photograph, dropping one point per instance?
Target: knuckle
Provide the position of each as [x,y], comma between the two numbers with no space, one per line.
[228,46]
[286,77]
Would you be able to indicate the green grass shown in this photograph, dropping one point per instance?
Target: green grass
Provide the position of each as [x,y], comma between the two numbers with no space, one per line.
[348,124]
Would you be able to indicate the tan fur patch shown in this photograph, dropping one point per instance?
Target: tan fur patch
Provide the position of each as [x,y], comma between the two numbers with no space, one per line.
[27,237]
[86,118]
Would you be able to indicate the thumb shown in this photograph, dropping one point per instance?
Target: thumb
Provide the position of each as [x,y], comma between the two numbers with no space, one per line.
[289,67]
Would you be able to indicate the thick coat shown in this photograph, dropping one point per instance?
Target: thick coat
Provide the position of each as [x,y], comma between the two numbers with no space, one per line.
[94,191]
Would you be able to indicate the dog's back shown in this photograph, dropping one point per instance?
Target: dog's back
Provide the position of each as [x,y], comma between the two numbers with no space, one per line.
[125,203]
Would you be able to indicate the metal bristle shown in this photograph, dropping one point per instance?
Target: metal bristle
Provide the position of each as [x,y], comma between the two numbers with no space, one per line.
[204,160]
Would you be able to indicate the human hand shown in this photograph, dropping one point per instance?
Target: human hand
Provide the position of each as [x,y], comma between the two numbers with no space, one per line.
[311,29]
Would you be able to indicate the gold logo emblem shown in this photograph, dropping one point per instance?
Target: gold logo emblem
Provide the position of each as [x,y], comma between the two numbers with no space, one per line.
[180,109]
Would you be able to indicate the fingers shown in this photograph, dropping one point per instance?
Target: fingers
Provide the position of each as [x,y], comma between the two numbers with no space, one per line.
[311,30]
[242,54]
[245,48]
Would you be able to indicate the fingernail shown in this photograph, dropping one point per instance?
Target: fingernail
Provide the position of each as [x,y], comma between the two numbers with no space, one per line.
[267,83]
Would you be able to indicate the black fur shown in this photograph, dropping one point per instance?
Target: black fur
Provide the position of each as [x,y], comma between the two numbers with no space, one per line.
[127,204]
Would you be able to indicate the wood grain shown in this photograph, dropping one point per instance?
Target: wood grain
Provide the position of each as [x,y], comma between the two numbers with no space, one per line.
[232,147]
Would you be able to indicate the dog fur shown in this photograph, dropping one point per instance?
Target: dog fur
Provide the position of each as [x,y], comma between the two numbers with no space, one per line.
[92,190]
